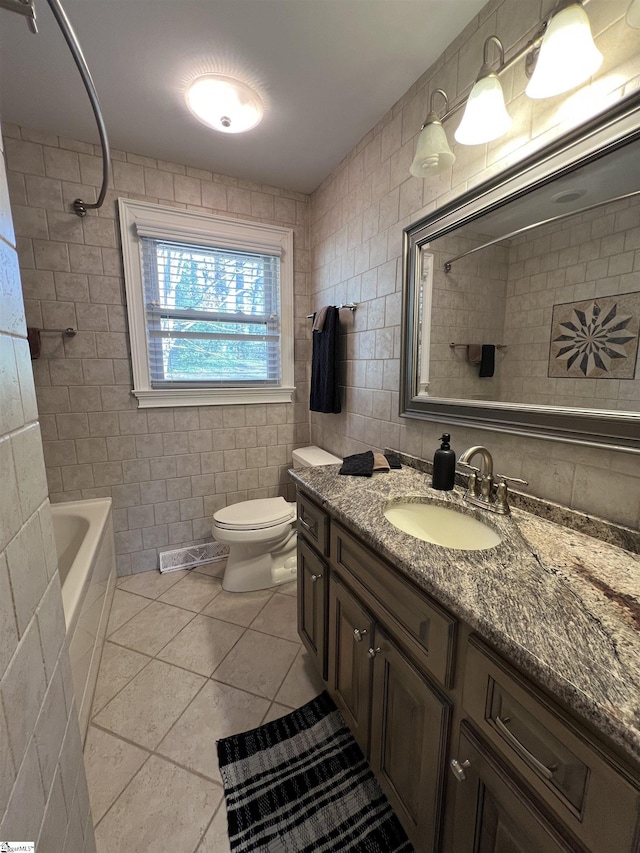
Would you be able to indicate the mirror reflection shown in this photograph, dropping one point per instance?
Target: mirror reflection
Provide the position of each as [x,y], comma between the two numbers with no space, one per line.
[548,314]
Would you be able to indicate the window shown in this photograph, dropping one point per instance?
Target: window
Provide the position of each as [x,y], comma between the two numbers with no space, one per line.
[210,303]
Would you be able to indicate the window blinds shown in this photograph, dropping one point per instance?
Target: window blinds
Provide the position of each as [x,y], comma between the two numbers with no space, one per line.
[212,315]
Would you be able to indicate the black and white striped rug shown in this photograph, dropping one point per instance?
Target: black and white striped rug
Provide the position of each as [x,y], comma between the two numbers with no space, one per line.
[300,784]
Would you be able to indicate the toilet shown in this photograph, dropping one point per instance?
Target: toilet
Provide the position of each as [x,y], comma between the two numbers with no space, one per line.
[261,534]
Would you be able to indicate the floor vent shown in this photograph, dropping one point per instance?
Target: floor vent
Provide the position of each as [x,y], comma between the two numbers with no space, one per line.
[192,555]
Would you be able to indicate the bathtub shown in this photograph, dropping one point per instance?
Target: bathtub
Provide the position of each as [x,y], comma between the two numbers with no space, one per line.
[83,531]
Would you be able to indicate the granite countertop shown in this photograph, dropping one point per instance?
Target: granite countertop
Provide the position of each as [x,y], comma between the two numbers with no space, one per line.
[564,606]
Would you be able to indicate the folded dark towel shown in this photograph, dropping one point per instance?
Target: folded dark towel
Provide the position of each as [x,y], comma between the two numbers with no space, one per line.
[394,460]
[361,464]
[358,465]
[488,362]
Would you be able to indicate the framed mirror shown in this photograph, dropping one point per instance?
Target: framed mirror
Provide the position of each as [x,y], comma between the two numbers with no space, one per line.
[521,299]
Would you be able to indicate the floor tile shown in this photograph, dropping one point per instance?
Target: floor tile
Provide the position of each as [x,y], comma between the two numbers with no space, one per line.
[152,628]
[275,712]
[149,705]
[214,570]
[302,683]
[152,584]
[216,839]
[279,618]
[238,607]
[201,645]
[193,592]
[257,663]
[163,808]
[117,667]
[288,589]
[125,606]
[111,763]
[216,712]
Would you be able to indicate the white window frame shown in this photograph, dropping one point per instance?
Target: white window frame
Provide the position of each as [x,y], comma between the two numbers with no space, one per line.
[170,223]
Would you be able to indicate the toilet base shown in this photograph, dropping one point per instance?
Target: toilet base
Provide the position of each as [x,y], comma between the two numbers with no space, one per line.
[248,569]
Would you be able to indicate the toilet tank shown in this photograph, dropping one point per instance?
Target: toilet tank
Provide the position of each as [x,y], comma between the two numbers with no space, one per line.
[307,457]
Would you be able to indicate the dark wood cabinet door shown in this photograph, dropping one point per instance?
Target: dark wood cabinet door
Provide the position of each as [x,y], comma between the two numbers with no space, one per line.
[350,636]
[313,584]
[409,734]
[494,811]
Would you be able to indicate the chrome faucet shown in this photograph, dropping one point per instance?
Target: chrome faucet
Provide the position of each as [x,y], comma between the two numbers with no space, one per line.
[480,489]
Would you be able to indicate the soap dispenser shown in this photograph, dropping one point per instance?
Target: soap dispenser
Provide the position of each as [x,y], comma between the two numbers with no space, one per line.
[444,466]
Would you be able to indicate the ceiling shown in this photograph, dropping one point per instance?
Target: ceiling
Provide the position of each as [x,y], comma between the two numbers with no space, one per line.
[328,71]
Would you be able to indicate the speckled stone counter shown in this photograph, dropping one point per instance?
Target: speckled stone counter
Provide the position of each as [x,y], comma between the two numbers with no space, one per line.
[563,606]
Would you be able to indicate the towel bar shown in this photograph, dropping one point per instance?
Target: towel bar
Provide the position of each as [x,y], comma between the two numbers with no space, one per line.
[351,306]
[453,345]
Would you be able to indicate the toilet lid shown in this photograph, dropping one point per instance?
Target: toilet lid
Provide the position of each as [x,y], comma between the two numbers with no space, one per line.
[255,515]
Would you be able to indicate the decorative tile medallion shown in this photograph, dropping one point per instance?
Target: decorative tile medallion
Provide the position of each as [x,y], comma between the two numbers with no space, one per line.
[596,338]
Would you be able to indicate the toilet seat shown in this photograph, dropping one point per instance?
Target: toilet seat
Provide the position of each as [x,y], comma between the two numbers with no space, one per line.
[259,514]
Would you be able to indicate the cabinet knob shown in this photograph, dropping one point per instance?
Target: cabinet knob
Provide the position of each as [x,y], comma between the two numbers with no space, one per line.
[358,634]
[374,652]
[458,768]
[315,578]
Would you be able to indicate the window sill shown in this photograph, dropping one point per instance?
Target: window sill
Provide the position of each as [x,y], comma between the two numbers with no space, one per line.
[160,398]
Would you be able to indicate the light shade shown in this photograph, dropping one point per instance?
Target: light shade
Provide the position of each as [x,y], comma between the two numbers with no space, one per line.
[433,155]
[567,54]
[633,14]
[485,115]
[223,103]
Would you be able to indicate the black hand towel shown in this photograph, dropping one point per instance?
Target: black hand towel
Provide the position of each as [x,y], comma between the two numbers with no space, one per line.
[488,362]
[358,465]
[325,392]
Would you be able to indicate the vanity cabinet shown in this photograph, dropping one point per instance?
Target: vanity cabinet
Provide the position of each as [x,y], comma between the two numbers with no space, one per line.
[423,696]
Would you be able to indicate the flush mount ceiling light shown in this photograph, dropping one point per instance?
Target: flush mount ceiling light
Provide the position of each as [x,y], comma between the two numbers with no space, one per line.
[485,117]
[567,55]
[433,155]
[224,103]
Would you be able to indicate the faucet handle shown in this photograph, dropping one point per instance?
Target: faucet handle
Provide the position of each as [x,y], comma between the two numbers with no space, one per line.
[468,467]
[504,479]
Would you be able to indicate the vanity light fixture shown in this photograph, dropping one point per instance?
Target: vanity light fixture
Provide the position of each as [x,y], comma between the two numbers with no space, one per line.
[559,56]
[567,55]
[485,117]
[224,103]
[433,154]
[633,15]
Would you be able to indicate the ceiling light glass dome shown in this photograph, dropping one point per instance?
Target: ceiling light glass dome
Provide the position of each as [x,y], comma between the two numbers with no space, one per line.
[225,104]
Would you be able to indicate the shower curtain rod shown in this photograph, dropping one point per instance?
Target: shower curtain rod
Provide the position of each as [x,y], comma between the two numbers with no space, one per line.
[25,7]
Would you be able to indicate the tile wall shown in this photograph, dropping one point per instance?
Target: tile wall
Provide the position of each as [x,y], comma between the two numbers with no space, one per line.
[357,218]
[43,789]
[167,470]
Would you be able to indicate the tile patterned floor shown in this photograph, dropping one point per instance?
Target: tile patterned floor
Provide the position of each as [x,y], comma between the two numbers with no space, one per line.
[184,663]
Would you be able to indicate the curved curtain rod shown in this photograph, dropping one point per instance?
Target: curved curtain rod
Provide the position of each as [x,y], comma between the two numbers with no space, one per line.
[25,8]
[80,207]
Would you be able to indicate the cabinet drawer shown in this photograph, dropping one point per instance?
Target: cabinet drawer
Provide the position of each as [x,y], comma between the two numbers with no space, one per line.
[313,523]
[427,630]
[589,794]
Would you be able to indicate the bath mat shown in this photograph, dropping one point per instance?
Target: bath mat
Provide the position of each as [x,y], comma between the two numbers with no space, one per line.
[300,784]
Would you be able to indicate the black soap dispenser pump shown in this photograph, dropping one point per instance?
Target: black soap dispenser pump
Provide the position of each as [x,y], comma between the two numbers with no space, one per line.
[444,466]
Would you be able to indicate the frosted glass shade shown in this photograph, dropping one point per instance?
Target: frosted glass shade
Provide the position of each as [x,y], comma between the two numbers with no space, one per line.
[567,55]
[485,116]
[223,103]
[433,154]
[633,15]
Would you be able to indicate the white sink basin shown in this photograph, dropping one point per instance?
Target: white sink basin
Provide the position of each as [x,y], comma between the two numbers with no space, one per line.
[442,525]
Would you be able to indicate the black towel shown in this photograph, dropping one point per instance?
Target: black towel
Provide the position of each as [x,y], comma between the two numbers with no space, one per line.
[325,391]
[358,465]
[361,464]
[488,362]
